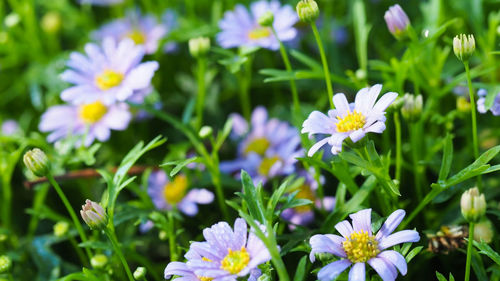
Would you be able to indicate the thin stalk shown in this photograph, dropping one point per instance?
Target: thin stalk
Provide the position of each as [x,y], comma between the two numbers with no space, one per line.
[200,101]
[116,246]
[399,157]
[325,64]
[7,201]
[286,60]
[219,192]
[279,265]
[245,79]
[79,251]
[469,251]
[474,121]
[415,152]
[71,212]
[171,236]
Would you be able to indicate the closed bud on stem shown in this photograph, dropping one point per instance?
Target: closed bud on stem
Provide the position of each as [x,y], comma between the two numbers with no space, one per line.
[5,264]
[412,107]
[463,105]
[267,19]
[464,46]
[483,231]
[99,261]
[51,22]
[473,205]
[205,132]
[37,162]
[397,21]
[94,215]
[140,273]
[307,10]
[61,228]
[199,46]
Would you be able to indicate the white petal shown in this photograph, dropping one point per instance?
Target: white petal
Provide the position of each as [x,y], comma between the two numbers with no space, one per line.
[341,104]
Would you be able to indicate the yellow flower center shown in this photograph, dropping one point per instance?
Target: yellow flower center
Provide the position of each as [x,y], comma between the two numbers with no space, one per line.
[360,247]
[305,192]
[137,36]
[92,112]
[108,79]
[352,122]
[266,164]
[205,278]
[235,261]
[176,189]
[259,33]
[258,145]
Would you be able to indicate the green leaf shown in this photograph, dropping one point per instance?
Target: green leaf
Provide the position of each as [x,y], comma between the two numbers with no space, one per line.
[179,164]
[222,136]
[251,196]
[99,245]
[485,249]
[306,60]
[300,273]
[447,158]
[440,277]
[413,253]
[273,201]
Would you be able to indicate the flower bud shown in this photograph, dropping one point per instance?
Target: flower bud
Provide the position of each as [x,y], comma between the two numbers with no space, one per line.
[37,162]
[94,215]
[483,231]
[12,20]
[412,107]
[205,132]
[473,205]
[51,22]
[61,228]
[140,273]
[5,264]
[397,21]
[463,105]
[266,19]
[99,261]
[464,46]
[199,46]
[307,10]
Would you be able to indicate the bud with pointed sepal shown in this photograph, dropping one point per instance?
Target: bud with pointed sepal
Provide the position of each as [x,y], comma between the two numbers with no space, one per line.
[307,10]
[464,46]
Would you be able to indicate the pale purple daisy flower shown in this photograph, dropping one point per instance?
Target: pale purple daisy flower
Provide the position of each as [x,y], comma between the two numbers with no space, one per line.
[169,20]
[101,2]
[495,108]
[10,127]
[108,73]
[358,246]
[228,254]
[94,120]
[167,193]
[241,28]
[304,215]
[144,30]
[397,21]
[349,120]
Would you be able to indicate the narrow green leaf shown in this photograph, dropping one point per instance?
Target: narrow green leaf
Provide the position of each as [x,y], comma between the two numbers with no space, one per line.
[440,277]
[447,158]
[250,195]
[179,164]
[485,249]
[300,273]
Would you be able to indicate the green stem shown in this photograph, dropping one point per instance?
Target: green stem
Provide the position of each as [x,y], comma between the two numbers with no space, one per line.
[293,87]
[71,212]
[469,251]
[116,246]
[325,64]
[219,192]
[415,151]
[171,236]
[79,251]
[7,200]
[245,82]
[474,122]
[399,157]
[200,101]
[279,265]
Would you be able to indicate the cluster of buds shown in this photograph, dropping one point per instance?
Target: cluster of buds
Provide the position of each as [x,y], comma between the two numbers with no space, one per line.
[473,205]
[199,46]
[412,107]
[464,46]
[397,21]
[37,162]
[307,10]
[94,215]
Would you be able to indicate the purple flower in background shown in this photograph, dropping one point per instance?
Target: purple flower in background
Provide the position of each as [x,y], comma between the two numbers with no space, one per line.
[144,30]
[303,215]
[101,2]
[495,108]
[166,193]
[397,21]
[228,254]
[93,120]
[268,149]
[349,120]
[241,28]
[10,127]
[108,73]
[169,20]
[358,246]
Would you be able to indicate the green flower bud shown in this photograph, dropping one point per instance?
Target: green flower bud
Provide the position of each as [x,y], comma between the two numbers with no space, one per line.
[463,105]
[473,205]
[99,261]
[267,19]
[464,46]
[12,20]
[307,10]
[162,235]
[140,273]
[199,46]
[94,215]
[483,231]
[5,264]
[205,132]
[61,228]
[412,107]
[51,22]
[37,162]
